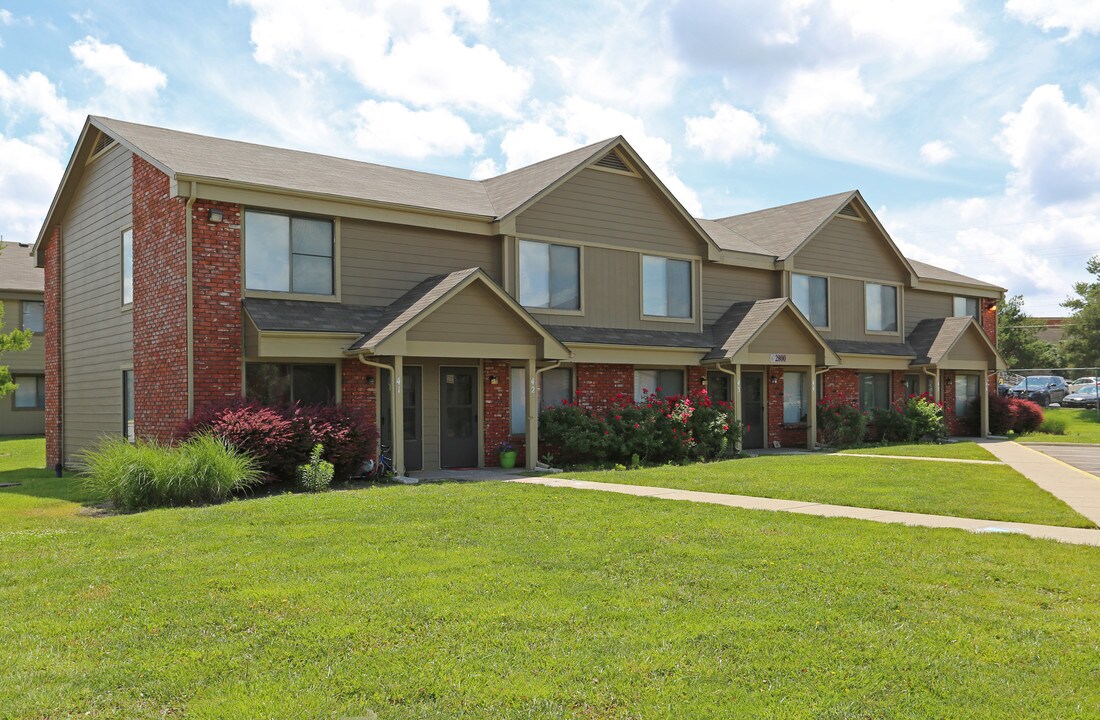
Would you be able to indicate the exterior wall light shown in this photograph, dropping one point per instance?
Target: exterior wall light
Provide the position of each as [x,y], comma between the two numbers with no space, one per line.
[216,216]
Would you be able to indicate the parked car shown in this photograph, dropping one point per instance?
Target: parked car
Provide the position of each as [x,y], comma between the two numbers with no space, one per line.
[1079,383]
[1086,397]
[1042,389]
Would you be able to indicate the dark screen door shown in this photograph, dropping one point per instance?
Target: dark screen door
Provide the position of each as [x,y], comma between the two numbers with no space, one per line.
[752,409]
[411,388]
[457,417]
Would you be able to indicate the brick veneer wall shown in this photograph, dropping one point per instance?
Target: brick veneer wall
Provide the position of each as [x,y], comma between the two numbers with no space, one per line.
[54,384]
[496,411]
[160,299]
[955,425]
[841,385]
[598,383]
[359,389]
[216,288]
[989,317]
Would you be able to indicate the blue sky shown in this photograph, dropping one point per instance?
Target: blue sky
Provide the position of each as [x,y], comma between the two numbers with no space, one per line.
[972,128]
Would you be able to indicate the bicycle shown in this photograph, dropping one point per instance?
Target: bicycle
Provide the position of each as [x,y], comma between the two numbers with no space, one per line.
[380,470]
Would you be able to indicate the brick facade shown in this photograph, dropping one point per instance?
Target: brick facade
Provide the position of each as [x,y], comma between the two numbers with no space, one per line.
[216,292]
[359,388]
[598,383]
[54,384]
[160,304]
[496,409]
[988,315]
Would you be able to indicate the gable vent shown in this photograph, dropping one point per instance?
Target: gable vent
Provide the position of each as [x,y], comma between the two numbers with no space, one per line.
[849,211]
[613,161]
[102,142]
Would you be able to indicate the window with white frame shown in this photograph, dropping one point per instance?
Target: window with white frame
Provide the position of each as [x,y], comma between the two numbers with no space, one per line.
[555,387]
[874,391]
[127,266]
[666,287]
[517,387]
[34,316]
[810,294]
[966,306]
[285,253]
[549,275]
[794,397]
[966,392]
[882,308]
[30,392]
[657,383]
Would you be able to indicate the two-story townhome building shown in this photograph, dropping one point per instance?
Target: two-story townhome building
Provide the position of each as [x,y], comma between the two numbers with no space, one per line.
[184,270]
[24,411]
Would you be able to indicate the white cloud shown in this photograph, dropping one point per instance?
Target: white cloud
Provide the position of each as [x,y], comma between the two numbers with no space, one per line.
[390,128]
[932,32]
[33,99]
[6,18]
[576,122]
[1076,17]
[1054,146]
[816,105]
[413,52]
[728,134]
[28,177]
[111,63]
[484,168]
[936,152]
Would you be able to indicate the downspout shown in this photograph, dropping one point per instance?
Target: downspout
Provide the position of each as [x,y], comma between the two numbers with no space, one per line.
[394,400]
[735,398]
[935,383]
[190,308]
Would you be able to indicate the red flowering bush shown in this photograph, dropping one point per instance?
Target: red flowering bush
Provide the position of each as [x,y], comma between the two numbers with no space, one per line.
[1005,413]
[281,438]
[1028,416]
[657,430]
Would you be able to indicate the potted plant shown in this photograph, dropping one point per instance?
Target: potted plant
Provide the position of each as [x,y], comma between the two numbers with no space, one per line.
[507,452]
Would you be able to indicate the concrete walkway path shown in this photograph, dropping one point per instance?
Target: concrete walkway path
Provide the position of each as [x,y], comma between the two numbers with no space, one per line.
[1076,536]
[1073,486]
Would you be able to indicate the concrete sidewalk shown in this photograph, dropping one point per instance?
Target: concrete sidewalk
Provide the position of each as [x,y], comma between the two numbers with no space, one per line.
[1075,487]
[1076,536]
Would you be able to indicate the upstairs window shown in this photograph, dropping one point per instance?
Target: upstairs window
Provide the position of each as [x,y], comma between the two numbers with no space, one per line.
[288,254]
[966,306]
[666,287]
[810,294]
[34,316]
[549,276]
[882,308]
[127,266]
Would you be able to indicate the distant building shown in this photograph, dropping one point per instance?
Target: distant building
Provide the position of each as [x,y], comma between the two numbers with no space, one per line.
[24,411]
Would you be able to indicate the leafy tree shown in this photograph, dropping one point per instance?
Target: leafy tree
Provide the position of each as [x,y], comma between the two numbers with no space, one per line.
[1081,346]
[13,341]
[1018,337]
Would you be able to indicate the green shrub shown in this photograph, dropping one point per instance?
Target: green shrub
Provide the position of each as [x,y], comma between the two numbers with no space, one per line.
[1053,426]
[201,470]
[923,419]
[316,475]
[841,424]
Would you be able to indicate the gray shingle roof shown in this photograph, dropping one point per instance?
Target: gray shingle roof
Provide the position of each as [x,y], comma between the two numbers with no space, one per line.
[409,305]
[931,272]
[932,338]
[780,230]
[17,270]
[739,323]
[861,347]
[616,336]
[509,191]
[306,316]
[729,239]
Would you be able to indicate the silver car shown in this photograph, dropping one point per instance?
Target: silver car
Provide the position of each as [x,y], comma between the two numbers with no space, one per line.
[1086,397]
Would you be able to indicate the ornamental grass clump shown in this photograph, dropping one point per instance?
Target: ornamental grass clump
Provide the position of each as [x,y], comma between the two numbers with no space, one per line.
[202,470]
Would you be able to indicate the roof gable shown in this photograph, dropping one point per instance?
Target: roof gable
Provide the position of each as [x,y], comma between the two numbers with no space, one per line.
[942,341]
[767,326]
[17,269]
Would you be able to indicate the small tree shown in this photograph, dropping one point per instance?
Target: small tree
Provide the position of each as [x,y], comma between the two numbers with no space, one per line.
[1081,346]
[1018,337]
[12,341]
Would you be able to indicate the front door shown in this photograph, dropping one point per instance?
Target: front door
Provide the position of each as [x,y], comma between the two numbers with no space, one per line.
[458,417]
[752,409]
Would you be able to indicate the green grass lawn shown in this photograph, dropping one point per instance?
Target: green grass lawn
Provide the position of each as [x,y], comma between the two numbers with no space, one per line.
[488,600]
[994,492]
[955,451]
[1082,426]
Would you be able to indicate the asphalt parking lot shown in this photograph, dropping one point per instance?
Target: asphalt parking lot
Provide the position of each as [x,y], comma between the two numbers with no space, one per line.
[1084,457]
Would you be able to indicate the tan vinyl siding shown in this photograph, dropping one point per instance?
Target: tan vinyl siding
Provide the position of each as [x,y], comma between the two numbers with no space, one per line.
[381,262]
[20,422]
[98,334]
[611,294]
[921,305]
[610,209]
[969,347]
[851,247]
[724,285]
[473,315]
[783,335]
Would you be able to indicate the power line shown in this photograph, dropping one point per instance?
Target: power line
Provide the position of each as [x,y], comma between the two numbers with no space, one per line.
[989,227]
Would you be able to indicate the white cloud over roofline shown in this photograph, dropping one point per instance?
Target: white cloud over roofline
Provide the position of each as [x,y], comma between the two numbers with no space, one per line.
[1076,17]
